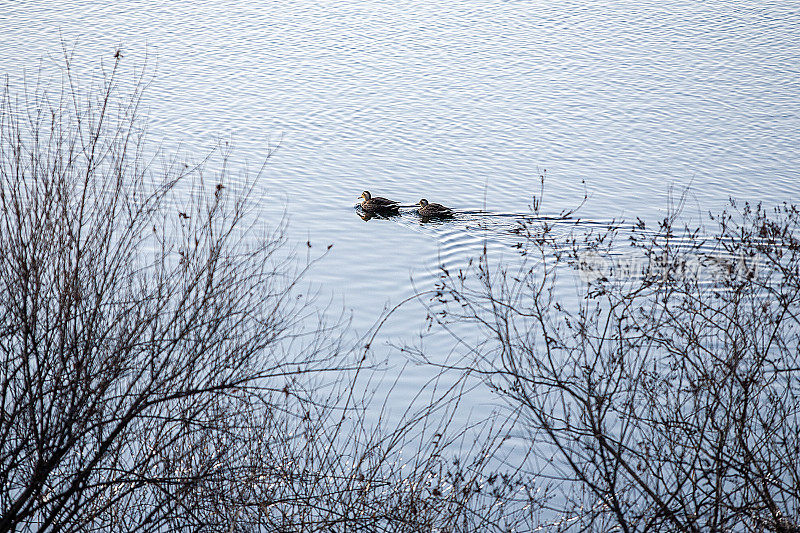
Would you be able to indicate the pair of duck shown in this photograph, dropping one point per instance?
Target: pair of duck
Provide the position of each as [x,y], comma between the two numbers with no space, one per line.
[383,206]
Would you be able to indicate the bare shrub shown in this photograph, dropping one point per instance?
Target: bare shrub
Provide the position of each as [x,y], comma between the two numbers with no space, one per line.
[666,395]
[135,321]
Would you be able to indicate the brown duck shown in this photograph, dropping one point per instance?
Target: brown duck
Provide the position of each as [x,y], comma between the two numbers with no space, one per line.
[377,204]
[427,209]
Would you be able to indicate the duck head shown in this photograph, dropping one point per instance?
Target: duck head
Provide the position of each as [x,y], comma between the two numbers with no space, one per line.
[365,195]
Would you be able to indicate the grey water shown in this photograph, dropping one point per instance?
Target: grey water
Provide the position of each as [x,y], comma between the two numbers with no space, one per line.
[465,104]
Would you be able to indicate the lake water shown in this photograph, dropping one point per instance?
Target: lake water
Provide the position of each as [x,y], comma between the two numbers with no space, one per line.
[461,103]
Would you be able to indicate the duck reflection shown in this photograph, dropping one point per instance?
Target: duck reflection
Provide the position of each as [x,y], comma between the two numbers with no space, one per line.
[367,216]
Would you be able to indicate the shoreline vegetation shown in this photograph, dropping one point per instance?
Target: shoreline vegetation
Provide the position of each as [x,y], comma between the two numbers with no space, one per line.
[158,371]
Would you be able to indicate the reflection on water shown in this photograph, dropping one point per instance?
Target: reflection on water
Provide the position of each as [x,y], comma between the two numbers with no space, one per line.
[366,216]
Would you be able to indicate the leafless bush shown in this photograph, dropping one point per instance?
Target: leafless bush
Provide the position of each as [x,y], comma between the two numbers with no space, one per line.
[665,396]
[135,322]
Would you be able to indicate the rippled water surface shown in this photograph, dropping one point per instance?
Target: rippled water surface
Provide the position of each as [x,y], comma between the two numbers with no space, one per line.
[462,103]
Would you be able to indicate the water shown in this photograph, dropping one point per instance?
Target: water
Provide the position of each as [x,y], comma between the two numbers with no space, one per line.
[463,104]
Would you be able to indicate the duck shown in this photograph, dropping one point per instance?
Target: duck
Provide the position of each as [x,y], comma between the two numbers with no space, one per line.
[427,209]
[377,204]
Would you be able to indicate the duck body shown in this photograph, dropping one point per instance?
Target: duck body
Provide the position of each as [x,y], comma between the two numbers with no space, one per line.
[427,209]
[377,204]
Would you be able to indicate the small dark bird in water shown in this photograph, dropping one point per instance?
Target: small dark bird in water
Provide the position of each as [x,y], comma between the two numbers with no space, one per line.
[427,209]
[377,204]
